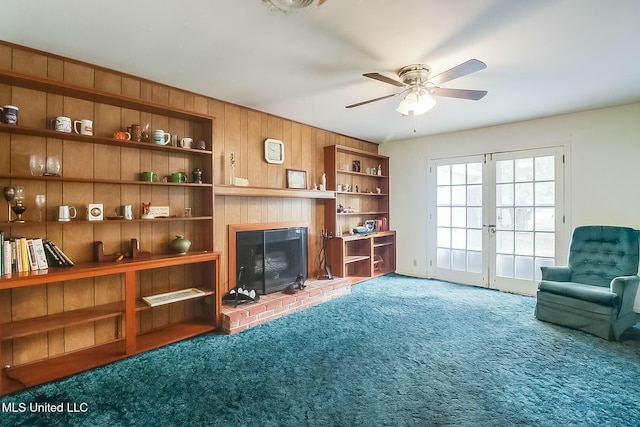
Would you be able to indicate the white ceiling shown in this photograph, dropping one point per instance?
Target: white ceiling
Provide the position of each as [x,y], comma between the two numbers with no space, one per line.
[544,57]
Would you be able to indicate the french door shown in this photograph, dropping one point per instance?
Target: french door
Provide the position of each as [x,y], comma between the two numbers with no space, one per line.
[496,218]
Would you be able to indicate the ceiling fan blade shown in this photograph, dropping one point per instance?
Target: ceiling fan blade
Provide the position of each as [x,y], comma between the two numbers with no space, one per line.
[372,100]
[473,95]
[380,77]
[471,66]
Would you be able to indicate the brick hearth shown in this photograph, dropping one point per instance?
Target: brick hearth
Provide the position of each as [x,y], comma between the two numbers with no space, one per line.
[279,304]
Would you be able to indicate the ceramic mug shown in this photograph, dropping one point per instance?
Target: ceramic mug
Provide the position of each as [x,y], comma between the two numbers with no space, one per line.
[136,133]
[178,177]
[63,124]
[149,176]
[122,135]
[161,137]
[186,142]
[9,115]
[66,213]
[86,127]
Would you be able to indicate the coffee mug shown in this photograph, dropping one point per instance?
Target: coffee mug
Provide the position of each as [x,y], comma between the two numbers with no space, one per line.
[63,124]
[200,145]
[186,142]
[9,115]
[178,177]
[136,133]
[66,213]
[161,137]
[86,127]
[122,135]
[149,176]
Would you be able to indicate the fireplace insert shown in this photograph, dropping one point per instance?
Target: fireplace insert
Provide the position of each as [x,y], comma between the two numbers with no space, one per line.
[272,259]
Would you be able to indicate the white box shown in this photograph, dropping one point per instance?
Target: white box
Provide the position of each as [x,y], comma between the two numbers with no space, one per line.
[159,211]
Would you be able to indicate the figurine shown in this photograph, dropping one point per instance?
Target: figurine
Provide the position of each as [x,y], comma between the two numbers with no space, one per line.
[146,211]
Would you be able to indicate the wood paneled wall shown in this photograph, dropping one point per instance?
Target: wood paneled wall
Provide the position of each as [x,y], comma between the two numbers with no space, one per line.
[236,129]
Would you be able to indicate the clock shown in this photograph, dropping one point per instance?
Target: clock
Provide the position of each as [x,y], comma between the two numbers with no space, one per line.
[274,151]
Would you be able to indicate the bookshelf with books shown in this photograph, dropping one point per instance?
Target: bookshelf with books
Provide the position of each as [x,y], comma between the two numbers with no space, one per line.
[76,313]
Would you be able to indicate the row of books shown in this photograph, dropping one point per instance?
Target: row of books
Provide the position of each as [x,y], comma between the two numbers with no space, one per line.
[23,254]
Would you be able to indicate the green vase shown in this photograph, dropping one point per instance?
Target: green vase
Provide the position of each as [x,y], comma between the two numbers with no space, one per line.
[179,245]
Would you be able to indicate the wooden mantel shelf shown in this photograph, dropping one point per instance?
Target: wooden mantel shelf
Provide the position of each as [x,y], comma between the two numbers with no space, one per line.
[231,190]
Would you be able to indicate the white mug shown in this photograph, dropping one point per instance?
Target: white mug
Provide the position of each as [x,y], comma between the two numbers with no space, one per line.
[86,127]
[66,213]
[161,137]
[63,124]
[186,142]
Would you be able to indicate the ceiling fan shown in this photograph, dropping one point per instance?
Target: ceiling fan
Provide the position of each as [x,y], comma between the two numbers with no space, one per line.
[419,88]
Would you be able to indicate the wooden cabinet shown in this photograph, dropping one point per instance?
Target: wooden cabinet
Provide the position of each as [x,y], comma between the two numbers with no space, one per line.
[63,320]
[360,179]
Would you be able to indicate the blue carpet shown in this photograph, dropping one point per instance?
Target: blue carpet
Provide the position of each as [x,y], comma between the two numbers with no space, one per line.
[397,351]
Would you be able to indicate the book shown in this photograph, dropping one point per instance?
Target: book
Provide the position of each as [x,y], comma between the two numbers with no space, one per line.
[41,257]
[8,261]
[62,255]
[17,254]
[24,254]
[52,256]
[1,253]
[31,252]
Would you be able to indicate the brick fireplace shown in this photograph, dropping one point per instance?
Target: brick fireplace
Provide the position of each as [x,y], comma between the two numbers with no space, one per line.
[273,303]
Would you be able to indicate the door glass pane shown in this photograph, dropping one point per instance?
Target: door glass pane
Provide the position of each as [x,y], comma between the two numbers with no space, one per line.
[523,170]
[459,217]
[530,213]
[504,171]
[545,168]
[444,175]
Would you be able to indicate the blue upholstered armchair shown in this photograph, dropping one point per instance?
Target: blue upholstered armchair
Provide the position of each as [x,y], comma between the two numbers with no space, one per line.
[595,293]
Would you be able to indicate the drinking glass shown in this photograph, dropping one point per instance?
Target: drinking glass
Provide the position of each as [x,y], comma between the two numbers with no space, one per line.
[41,200]
[53,166]
[37,164]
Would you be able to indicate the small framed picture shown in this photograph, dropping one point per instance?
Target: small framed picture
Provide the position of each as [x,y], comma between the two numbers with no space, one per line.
[296,179]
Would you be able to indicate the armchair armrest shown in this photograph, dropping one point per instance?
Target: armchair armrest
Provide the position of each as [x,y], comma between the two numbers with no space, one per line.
[556,273]
[626,288]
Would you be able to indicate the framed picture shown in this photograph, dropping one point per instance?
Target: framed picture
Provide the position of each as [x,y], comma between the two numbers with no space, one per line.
[296,178]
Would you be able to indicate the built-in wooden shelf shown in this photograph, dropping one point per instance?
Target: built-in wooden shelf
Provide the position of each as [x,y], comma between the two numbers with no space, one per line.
[231,190]
[71,136]
[94,269]
[13,78]
[34,373]
[362,213]
[106,221]
[355,258]
[102,181]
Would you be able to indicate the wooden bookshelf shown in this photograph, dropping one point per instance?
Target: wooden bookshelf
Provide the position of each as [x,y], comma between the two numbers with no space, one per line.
[63,320]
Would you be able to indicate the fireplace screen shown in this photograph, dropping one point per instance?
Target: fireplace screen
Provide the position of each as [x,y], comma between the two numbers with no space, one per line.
[272,259]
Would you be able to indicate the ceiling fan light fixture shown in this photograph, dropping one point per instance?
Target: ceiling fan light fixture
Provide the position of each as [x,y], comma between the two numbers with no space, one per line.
[288,6]
[415,104]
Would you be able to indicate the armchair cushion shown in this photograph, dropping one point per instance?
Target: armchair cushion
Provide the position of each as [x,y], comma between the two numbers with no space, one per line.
[596,294]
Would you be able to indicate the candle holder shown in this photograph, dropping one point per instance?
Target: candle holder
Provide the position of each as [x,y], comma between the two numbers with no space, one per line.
[9,195]
[19,207]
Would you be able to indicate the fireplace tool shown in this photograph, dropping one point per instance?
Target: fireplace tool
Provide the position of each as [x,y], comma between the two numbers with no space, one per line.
[240,294]
[325,270]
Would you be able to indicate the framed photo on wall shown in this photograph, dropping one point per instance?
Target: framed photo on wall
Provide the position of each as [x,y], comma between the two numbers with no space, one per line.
[296,179]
